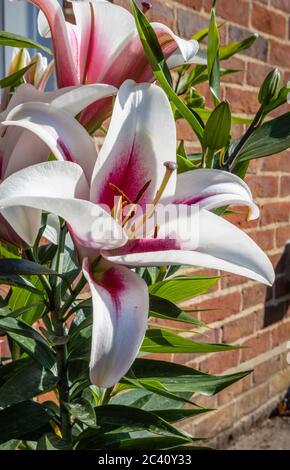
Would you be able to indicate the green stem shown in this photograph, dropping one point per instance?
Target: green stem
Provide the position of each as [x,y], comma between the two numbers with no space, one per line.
[61,349]
[63,384]
[106,397]
[254,125]
[76,291]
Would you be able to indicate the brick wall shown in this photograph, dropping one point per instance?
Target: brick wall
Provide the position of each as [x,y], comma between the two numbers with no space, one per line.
[249,314]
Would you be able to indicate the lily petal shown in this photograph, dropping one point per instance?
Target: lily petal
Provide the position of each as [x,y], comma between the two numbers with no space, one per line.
[141,137]
[78,98]
[53,187]
[211,189]
[65,66]
[120,313]
[215,243]
[58,129]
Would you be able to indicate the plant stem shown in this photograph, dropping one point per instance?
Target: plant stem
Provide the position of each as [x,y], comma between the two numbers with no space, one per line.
[106,396]
[255,123]
[61,349]
[76,291]
[63,384]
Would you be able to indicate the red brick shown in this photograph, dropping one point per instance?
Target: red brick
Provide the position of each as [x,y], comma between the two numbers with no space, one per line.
[235,10]
[230,280]
[256,73]
[242,101]
[237,77]
[264,238]
[188,22]
[253,295]
[220,362]
[271,163]
[263,186]
[256,346]
[282,235]
[285,186]
[285,162]
[259,50]
[252,400]
[195,4]
[281,333]
[184,131]
[230,393]
[265,370]
[225,306]
[161,12]
[240,218]
[278,262]
[283,5]
[275,212]
[239,328]
[268,21]
[279,53]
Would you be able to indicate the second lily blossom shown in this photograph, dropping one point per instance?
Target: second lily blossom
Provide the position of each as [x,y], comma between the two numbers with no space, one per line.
[104,47]
[137,163]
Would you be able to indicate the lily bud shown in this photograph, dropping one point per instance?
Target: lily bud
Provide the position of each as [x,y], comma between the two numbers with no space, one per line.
[20,59]
[35,73]
[270,88]
[218,127]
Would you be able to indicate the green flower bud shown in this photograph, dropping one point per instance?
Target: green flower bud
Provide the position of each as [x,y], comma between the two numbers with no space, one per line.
[270,88]
[217,131]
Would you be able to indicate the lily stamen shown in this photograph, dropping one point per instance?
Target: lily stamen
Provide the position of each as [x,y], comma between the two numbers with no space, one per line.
[170,168]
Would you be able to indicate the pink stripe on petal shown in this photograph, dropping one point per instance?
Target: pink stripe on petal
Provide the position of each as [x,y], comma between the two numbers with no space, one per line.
[68,155]
[129,174]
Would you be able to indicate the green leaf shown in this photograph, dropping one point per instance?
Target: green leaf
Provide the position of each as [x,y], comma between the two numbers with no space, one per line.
[177,378]
[271,138]
[140,419]
[21,419]
[50,441]
[19,281]
[83,411]
[13,80]
[9,445]
[182,288]
[93,439]
[149,41]
[30,302]
[15,40]
[217,131]
[184,164]
[8,251]
[28,382]
[14,267]
[213,58]
[29,340]
[160,341]
[225,52]
[178,414]
[163,308]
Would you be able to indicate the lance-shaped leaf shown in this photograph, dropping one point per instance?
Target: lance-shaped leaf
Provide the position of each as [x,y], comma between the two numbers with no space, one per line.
[18,420]
[14,79]
[15,40]
[271,138]
[182,288]
[163,308]
[29,381]
[213,58]
[161,341]
[29,340]
[148,37]
[225,52]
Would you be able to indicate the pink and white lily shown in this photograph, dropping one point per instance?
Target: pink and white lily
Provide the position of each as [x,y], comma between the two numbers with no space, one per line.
[20,148]
[103,46]
[133,163]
